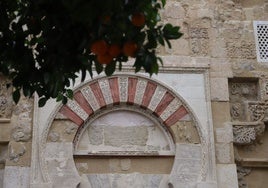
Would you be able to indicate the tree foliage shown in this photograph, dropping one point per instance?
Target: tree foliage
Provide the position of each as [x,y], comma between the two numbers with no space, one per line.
[45,43]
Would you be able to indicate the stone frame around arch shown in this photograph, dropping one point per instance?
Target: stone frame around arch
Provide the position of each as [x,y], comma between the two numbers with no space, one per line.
[44,176]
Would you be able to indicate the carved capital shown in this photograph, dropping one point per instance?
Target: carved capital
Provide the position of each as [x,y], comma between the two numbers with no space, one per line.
[247,133]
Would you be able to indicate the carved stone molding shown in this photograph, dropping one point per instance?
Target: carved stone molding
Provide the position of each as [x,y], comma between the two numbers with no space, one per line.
[246,132]
[241,173]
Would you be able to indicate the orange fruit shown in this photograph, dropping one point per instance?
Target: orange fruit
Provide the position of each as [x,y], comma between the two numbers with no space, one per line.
[106,19]
[99,47]
[130,48]
[114,50]
[104,59]
[138,19]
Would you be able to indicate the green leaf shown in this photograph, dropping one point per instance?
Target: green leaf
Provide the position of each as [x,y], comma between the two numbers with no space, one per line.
[151,40]
[83,76]
[155,68]
[163,2]
[16,96]
[120,66]
[69,93]
[64,100]
[42,101]
[59,97]
[46,77]
[99,67]
[171,32]
[110,68]
[168,43]
[160,60]
[161,40]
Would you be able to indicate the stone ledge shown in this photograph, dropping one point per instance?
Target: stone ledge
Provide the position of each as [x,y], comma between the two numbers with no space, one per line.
[253,162]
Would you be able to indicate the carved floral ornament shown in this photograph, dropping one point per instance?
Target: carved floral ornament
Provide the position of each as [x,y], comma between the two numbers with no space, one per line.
[248,112]
[247,134]
[258,110]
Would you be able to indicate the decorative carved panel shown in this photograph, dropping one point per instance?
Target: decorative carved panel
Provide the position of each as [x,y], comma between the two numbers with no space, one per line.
[247,133]
[240,92]
[6,101]
[199,40]
[257,110]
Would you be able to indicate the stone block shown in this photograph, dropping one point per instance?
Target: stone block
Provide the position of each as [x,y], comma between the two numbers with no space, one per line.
[225,134]
[19,154]
[84,182]
[174,10]
[62,130]
[227,176]
[16,177]
[60,164]
[220,68]
[125,164]
[95,134]
[185,132]
[120,136]
[207,185]
[82,167]
[99,180]
[2,171]
[187,166]
[5,131]
[41,185]
[223,153]
[179,47]
[218,48]
[114,165]
[219,89]
[220,113]
[133,180]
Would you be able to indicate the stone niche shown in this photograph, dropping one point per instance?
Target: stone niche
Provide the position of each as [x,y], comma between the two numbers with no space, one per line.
[125,132]
[128,131]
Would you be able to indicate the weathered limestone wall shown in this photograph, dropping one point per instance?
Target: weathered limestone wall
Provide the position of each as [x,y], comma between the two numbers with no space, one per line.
[216,32]
[15,138]
[221,33]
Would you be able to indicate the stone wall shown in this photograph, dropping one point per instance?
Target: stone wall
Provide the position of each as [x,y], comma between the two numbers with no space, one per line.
[15,138]
[218,38]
